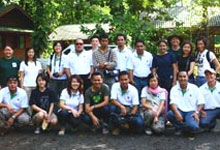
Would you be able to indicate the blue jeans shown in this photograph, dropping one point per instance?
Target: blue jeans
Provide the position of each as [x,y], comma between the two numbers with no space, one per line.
[101,113]
[136,123]
[140,84]
[200,80]
[189,123]
[210,120]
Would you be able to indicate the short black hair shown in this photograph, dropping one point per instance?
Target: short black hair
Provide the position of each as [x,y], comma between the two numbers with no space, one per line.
[93,37]
[120,34]
[103,36]
[139,41]
[150,76]
[96,74]
[122,73]
[12,78]
[162,41]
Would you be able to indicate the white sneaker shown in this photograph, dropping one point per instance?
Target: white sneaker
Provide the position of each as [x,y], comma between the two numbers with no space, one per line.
[37,130]
[148,132]
[105,131]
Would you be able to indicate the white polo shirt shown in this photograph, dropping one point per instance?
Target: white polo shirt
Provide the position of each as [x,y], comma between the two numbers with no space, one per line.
[79,64]
[30,73]
[212,97]
[123,57]
[57,65]
[18,101]
[72,101]
[141,65]
[153,100]
[188,100]
[203,63]
[127,98]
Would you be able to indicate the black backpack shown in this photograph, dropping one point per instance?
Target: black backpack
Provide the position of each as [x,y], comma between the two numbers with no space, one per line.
[209,59]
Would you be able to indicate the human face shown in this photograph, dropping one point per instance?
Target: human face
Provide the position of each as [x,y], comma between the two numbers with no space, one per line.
[175,41]
[30,53]
[210,77]
[121,41]
[183,78]
[162,47]
[12,85]
[186,49]
[8,52]
[200,45]
[153,83]
[140,48]
[58,48]
[75,84]
[95,43]
[104,42]
[41,83]
[79,45]
[97,81]
[124,80]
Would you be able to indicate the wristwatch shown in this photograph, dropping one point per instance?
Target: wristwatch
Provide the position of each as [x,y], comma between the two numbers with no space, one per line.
[13,117]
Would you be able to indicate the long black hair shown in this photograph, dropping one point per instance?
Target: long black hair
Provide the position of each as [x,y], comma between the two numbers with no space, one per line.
[69,84]
[44,77]
[26,56]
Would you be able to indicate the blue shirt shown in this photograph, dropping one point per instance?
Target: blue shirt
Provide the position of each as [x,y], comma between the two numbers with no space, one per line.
[163,64]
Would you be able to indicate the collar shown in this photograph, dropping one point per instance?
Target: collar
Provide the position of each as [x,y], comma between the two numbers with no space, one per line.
[180,89]
[211,89]
[136,55]
[75,94]
[103,52]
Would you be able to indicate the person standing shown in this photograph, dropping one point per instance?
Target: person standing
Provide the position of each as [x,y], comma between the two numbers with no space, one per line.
[186,62]
[186,102]
[29,69]
[9,65]
[164,64]
[95,43]
[123,53]
[55,69]
[175,42]
[139,66]
[105,60]
[80,63]
[204,59]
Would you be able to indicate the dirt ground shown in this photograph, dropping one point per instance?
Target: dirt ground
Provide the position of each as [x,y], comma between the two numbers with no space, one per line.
[25,139]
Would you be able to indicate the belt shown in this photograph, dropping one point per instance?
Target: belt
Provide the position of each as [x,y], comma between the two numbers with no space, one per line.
[142,78]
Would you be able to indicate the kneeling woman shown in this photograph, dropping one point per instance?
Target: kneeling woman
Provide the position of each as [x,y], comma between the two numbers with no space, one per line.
[71,104]
[153,98]
[42,102]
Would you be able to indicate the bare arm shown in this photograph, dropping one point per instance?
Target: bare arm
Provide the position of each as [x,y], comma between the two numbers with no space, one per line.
[38,109]
[192,65]
[67,71]
[22,79]
[174,73]
[131,77]
[217,65]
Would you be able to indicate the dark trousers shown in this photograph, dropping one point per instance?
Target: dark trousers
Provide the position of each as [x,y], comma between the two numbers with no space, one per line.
[64,117]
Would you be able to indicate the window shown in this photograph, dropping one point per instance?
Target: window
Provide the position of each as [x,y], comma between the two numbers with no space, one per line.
[21,42]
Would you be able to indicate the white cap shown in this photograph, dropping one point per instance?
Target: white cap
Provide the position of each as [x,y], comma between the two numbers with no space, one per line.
[210,70]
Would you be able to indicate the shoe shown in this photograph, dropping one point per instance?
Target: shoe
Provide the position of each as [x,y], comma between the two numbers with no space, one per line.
[37,130]
[178,132]
[105,131]
[148,132]
[116,132]
[191,136]
[61,132]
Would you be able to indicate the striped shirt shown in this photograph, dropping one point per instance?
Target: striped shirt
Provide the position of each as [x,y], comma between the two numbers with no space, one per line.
[99,56]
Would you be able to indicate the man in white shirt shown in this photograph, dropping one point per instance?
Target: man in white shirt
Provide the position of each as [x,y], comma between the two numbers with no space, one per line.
[125,101]
[140,66]
[211,93]
[13,102]
[123,53]
[186,104]
[80,63]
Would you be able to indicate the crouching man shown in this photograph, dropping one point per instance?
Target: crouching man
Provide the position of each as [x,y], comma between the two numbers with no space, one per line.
[186,104]
[13,102]
[125,101]
[211,93]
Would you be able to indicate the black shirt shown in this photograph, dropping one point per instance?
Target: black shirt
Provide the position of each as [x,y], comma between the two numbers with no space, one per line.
[184,63]
[43,99]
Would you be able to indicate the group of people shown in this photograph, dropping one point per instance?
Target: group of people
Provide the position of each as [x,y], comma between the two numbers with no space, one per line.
[113,89]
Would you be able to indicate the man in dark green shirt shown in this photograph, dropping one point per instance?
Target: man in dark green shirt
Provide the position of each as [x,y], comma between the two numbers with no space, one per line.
[9,65]
[96,102]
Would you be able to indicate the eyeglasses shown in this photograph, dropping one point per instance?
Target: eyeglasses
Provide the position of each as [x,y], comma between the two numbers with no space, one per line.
[79,43]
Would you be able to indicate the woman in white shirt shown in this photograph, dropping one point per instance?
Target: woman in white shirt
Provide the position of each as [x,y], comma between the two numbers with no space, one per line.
[71,104]
[153,98]
[29,69]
